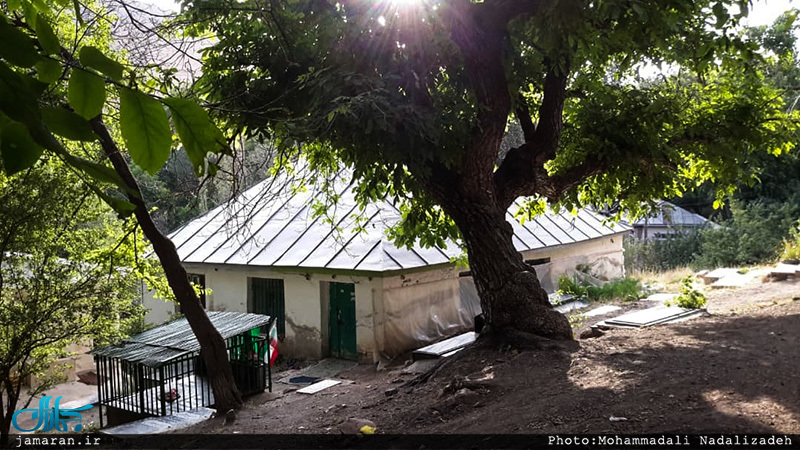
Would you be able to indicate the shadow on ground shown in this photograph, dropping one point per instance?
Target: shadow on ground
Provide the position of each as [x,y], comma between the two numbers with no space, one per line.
[720,374]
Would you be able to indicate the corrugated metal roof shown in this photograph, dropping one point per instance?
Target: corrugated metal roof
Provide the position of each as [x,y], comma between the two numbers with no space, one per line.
[162,343]
[273,225]
[671,215]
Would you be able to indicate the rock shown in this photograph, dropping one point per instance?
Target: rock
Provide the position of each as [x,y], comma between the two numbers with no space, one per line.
[591,333]
[355,425]
[271,396]
[88,377]
[230,417]
[465,396]
[391,391]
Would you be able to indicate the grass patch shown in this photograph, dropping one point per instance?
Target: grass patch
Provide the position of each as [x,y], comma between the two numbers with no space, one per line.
[626,289]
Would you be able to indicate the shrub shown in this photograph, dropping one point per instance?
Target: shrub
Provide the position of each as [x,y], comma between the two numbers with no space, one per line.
[755,234]
[677,250]
[689,297]
[627,289]
[791,246]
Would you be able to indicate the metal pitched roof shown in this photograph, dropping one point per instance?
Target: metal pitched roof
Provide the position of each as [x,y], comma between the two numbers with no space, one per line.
[273,225]
[176,338]
[671,215]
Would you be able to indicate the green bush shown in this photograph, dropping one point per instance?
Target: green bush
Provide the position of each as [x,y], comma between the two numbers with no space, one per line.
[754,235]
[689,297]
[791,245]
[677,250]
[627,289]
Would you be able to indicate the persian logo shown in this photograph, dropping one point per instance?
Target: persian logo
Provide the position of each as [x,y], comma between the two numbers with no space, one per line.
[48,418]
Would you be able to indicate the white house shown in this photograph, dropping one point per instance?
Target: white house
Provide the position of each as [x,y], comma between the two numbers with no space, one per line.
[356,295]
[668,219]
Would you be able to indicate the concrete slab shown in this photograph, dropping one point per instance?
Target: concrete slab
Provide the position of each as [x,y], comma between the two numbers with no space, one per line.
[716,274]
[605,309]
[318,386]
[652,316]
[445,347]
[722,272]
[732,281]
[88,400]
[785,269]
[660,298]
[571,306]
[559,299]
[158,425]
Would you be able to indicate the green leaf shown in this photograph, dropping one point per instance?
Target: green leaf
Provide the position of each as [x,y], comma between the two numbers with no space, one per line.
[14,5]
[67,124]
[18,100]
[94,58]
[122,207]
[86,94]
[145,129]
[47,37]
[49,71]
[98,172]
[18,149]
[198,133]
[16,47]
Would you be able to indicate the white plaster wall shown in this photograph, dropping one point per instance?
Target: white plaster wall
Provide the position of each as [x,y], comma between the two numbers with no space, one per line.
[604,254]
[306,321]
[158,309]
[393,314]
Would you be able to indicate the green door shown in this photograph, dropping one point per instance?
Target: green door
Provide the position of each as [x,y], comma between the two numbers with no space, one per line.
[268,298]
[343,321]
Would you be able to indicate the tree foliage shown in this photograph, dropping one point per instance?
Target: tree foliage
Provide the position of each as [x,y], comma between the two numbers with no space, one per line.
[64,93]
[390,90]
[68,274]
[417,96]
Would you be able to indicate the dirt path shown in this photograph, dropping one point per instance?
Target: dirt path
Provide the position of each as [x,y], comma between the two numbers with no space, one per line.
[732,371]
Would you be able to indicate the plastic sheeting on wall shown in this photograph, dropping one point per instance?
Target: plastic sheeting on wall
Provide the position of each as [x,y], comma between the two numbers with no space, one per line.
[419,314]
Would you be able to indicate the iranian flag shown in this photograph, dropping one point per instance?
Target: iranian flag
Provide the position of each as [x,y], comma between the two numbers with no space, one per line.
[273,343]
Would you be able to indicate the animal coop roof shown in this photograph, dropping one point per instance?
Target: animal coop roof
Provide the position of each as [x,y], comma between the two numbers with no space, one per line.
[273,224]
[163,343]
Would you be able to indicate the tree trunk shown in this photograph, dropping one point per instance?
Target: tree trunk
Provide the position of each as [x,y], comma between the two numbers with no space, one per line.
[212,346]
[511,296]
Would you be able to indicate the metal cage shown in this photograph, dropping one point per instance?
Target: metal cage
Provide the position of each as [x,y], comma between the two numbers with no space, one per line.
[160,372]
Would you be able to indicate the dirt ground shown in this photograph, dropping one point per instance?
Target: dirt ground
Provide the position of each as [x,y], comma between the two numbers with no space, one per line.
[733,370]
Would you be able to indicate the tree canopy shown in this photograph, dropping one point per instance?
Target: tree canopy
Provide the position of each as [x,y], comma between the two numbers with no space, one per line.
[69,274]
[64,93]
[417,97]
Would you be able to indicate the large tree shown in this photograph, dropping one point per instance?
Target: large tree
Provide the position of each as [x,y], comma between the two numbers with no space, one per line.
[63,92]
[416,96]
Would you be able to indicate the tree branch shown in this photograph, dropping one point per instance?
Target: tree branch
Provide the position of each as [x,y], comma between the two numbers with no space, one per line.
[525,120]
[516,175]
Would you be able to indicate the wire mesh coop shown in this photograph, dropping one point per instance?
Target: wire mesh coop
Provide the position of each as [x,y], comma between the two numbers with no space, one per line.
[160,372]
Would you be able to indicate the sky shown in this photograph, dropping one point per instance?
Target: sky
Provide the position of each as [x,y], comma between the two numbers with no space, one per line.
[765,12]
